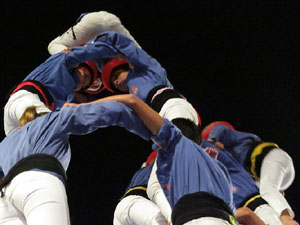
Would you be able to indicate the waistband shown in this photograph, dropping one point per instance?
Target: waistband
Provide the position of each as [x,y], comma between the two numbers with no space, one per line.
[256,156]
[201,204]
[137,190]
[36,161]
[254,201]
[36,87]
[158,95]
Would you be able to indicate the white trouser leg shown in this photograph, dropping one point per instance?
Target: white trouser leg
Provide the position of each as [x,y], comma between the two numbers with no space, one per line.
[267,214]
[207,221]
[10,215]
[138,210]
[41,197]
[277,173]
[156,194]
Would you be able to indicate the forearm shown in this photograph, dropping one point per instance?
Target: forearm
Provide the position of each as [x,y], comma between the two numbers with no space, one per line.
[87,117]
[152,120]
[97,53]
[135,55]
[246,216]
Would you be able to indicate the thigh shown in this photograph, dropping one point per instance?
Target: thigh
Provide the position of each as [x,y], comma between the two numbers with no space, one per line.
[41,197]
[10,215]
[277,170]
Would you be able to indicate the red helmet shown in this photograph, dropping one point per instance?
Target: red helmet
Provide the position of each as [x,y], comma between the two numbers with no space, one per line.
[96,83]
[107,70]
[205,132]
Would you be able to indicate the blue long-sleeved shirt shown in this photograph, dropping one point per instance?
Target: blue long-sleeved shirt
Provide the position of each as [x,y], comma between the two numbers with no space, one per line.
[56,72]
[49,134]
[140,177]
[236,142]
[186,168]
[243,184]
[147,72]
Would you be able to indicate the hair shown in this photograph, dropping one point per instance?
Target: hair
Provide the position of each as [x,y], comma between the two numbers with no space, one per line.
[124,67]
[29,115]
[189,129]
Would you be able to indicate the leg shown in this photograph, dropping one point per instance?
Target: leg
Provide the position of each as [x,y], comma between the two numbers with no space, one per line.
[41,197]
[156,194]
[277,172]
[267,214]
[9,215]
[136,209]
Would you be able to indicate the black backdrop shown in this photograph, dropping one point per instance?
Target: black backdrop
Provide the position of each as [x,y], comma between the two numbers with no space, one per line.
[235,61]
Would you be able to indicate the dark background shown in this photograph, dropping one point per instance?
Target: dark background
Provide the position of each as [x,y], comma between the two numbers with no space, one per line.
[235,61]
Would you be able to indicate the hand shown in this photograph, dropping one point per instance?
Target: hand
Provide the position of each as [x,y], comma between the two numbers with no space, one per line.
[67,50]
[133,89]
[286,219]
[212,152]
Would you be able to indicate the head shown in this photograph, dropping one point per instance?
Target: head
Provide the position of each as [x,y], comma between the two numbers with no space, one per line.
[209,127]
[189,129]
[89,78]
[114,75]
[30,114]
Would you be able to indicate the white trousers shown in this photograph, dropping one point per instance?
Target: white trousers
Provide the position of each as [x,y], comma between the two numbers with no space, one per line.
[156,194]
[267,214]
[38,197]
[277,173]
[88,27]
[137,210]
[207,221]
[10,215]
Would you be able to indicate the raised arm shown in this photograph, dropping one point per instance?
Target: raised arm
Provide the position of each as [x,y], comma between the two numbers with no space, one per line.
[135,55]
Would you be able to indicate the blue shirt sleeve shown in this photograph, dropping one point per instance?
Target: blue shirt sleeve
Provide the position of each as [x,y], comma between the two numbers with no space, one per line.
[96,52]
[85,118]
[135,55]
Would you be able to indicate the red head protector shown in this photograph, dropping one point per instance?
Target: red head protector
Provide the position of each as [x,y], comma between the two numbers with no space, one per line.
[96,84]
[205,132]
[108,69]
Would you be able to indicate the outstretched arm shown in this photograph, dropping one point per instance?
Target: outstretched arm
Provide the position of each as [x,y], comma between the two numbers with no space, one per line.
[151,119]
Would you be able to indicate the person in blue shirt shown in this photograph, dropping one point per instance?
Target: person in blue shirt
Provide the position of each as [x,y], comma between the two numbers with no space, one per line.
[245,190]
[197,186]
[271,167]
[52,84]
[35,157]
[135,68]
[135,207]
